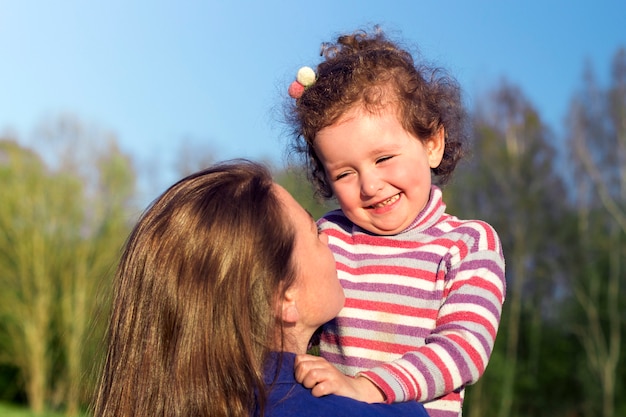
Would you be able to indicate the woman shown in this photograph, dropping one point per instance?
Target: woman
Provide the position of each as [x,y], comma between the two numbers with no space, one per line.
[222,281]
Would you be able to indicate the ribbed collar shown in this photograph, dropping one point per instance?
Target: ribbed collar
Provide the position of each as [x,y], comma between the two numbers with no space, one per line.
[430,214]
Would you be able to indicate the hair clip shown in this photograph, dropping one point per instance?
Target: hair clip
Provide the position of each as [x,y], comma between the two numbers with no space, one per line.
[305,78]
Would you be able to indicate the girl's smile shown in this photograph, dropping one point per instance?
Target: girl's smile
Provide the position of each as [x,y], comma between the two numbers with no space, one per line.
[386,204]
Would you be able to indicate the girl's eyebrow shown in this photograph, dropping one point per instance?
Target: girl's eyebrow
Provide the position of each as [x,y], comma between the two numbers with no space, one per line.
[384,149]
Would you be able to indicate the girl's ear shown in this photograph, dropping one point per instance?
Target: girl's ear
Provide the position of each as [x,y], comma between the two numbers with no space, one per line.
[435,146]
[289,309]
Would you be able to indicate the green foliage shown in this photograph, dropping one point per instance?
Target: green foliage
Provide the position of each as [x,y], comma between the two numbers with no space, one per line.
[11,410]
[294,180]
[61,230]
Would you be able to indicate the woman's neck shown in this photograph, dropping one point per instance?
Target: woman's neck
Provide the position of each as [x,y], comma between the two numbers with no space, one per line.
[296,340]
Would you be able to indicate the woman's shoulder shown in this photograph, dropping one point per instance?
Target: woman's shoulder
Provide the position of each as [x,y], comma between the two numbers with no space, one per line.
[300,402]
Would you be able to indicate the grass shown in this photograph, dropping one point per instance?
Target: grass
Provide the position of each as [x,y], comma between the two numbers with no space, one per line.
[12,410]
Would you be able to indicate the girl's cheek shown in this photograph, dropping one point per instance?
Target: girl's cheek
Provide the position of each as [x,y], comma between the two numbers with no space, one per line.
[342,193]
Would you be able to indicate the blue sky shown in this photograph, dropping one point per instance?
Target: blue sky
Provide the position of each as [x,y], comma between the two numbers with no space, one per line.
[214,73]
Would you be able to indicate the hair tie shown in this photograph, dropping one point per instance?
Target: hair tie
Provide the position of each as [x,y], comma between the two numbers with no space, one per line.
[304,79]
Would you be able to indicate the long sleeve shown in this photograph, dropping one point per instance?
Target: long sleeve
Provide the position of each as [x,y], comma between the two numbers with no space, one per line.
[422,308]
[457,350]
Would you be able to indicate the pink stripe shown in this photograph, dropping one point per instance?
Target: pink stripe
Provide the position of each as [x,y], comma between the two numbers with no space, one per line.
[465,316]
[390,308]
[396,348]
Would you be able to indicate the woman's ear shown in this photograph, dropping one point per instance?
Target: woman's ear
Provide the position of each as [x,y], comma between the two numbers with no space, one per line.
[435,146]
[289,309]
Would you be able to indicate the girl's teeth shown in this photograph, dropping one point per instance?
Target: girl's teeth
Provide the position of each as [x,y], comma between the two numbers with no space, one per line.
[387,202]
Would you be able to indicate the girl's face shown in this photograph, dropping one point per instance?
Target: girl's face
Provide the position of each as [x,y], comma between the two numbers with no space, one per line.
[316,296]
[379,172]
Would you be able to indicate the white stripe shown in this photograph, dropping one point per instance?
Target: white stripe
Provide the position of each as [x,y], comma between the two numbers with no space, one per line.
[384,317]
[443,405]
[384,246]
[392,298]
[388,337]
[390,278]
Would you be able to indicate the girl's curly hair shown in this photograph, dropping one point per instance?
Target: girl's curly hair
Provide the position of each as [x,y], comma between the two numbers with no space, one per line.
[369,70]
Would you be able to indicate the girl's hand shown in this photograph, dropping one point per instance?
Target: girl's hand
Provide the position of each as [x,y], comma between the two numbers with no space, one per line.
[323,378]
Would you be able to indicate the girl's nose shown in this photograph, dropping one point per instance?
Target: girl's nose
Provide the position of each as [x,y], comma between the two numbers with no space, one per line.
[370,185]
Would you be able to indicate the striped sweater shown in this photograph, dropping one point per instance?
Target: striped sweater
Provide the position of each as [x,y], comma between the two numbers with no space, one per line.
[422,307]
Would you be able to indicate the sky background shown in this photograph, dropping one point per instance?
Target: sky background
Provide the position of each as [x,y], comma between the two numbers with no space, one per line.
[214,74]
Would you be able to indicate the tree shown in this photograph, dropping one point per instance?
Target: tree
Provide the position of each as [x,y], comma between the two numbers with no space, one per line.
[597,139]
[62,224]
[27,297]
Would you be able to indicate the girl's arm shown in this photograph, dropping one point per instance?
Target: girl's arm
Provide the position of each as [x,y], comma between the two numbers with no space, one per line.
[457,351]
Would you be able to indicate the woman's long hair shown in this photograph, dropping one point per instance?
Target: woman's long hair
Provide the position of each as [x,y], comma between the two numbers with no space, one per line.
[194,310]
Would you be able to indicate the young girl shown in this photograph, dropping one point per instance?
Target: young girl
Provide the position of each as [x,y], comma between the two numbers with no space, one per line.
[424,290]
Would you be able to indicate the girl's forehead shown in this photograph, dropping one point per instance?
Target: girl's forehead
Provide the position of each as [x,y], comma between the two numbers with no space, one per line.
[360,110]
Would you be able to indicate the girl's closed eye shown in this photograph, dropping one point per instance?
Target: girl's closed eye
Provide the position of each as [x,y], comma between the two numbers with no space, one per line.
[384,158]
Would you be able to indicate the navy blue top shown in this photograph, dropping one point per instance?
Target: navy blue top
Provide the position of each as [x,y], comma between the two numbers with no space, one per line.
[289,398]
